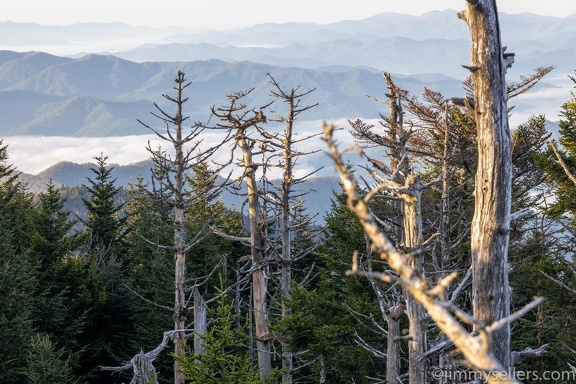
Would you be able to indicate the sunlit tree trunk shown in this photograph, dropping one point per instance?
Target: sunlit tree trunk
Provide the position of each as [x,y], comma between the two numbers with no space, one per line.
[491,223]
[412,225]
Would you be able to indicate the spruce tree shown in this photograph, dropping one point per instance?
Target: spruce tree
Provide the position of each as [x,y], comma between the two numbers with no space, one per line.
[149,276]
[103,223]
[52,246]
[564,187]
[225,360]
[104,250]
[18,274]
[46,364]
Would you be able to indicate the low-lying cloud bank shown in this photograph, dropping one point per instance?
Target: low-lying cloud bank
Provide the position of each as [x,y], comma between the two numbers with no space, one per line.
[33,154]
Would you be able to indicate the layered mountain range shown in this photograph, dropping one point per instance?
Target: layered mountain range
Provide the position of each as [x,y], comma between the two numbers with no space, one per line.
[103,93]
[97,80]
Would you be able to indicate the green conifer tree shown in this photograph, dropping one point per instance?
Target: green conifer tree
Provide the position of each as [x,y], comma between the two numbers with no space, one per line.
[45,364]
[225,360]
[104,224]
[18,274]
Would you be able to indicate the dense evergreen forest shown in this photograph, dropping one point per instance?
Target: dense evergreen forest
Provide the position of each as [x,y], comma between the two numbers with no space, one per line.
[161,283]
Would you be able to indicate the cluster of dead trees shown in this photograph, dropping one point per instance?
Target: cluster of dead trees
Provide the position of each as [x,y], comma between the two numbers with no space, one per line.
[411,135]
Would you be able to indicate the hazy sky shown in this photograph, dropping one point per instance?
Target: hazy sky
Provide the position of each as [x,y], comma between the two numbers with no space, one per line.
[222,14]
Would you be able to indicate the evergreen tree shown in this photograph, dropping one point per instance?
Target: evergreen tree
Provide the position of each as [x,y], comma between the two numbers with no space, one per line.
[225,360]
[539,259]
[332,314]
[18,274]
[564,187]
[104,252]
[18,281]
[52,239]
[149,276]
[46,364]
[52,246]
[104,225]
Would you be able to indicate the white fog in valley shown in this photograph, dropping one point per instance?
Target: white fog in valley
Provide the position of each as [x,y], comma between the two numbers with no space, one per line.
[33,154]
[160,28]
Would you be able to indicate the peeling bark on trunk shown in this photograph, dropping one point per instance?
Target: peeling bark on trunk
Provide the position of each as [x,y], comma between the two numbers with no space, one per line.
[411,230]
[412,224]
[200,323]
[491,222]
[258,246]
[286,270]
[393,359]
[445,219]
[179,238]
[236,122]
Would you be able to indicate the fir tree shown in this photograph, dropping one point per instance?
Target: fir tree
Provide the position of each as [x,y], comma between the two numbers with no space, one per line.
[18,274]
[104,224]
[225,360]
[45,364]
[564,187]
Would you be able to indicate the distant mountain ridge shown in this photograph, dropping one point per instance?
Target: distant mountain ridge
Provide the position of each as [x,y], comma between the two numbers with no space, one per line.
[103,95]
[69,174]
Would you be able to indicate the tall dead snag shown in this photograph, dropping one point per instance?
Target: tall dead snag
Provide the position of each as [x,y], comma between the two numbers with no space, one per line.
[186,156]
[237,120]
[474,346]
[405,186]
[288,199]
[490,230]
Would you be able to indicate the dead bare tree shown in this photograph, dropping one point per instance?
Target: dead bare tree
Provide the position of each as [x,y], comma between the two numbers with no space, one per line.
[404,186]
[237,120]
[493,184]
[187,155]
[141,363]
[475,346]
[287,198]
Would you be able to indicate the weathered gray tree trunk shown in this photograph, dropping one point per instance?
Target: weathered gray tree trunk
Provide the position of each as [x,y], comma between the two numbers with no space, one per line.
[287,202]
[411,235]
[322,370]
[474,346]
[393,359]
[259,280]
[179,236]
[258,251]
[445,219]
[412,225]
[491,222]
[236,121]
[200,323]
[286,269]
[187,154]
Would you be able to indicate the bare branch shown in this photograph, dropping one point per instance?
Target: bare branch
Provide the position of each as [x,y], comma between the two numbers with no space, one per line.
[528,353]
[571,290]
[527,212]
[564,167]
[147,300]
[515,316]
[475,347]
[241,239]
